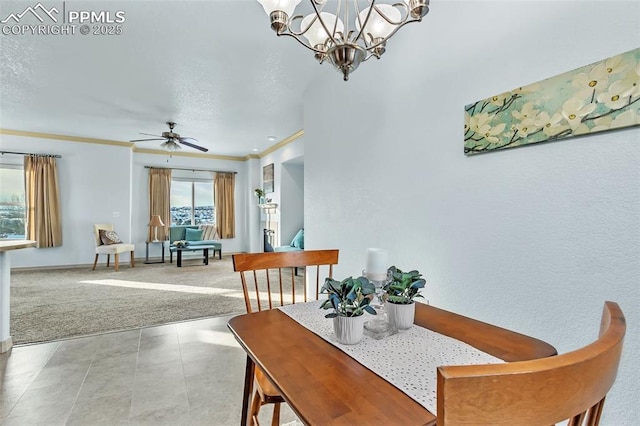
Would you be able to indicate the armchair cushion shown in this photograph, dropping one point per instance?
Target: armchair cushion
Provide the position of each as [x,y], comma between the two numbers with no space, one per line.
[108,237]
[115,248]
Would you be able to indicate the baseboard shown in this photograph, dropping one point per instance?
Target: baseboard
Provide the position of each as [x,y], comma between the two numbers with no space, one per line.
[5,345]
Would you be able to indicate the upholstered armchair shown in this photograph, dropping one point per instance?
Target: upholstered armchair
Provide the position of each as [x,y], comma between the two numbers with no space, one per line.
[108,242]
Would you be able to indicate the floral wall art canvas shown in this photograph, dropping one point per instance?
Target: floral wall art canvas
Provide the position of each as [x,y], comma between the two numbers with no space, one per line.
[594,98]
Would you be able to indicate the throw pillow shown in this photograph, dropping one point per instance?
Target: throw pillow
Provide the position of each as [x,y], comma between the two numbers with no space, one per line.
[193,234]
[109,237]
[298,240]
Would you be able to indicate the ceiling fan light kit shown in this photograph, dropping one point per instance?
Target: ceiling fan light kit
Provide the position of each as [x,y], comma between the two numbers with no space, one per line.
[172,140]
[356,32]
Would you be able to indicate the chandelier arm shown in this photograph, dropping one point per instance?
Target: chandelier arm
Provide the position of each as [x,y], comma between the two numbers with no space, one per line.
[335,25]
[369,55]
[402,20]
[384,40]
[362,25]
[296,38]
[302,32]
[347,30]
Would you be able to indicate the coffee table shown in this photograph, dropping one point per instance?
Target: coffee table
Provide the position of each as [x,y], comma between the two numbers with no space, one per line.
[205,249]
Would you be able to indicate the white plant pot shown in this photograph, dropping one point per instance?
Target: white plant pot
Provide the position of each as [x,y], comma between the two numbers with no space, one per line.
[348,330]
[401,316]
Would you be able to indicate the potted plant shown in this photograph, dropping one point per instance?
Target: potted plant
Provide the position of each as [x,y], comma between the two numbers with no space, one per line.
[400,292]
[349,300]
[260,194]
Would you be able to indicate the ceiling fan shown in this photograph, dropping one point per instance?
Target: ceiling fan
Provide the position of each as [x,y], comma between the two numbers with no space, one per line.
[171,140]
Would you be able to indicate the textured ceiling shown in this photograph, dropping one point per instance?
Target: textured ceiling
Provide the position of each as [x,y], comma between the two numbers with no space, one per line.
[213,67]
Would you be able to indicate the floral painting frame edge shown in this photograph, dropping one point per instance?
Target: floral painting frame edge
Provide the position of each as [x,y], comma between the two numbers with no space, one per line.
[594,98]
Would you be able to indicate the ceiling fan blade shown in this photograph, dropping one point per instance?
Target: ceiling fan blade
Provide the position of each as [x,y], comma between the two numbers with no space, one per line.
[149,134]
[142,140]
[184,141]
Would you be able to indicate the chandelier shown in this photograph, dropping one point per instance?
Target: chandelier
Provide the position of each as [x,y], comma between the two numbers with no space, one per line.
[357,31]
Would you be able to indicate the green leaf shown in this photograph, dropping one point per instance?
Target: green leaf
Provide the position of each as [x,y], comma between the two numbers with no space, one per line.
[368,287]
[335,301]
[418,284]
[351,296]
[369,309]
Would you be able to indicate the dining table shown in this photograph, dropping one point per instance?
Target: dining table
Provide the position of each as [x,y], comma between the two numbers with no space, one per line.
[323,385]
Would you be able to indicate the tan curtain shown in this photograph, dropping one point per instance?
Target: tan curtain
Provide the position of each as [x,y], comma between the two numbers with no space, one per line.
[160,200]
[224,189]
[44,220]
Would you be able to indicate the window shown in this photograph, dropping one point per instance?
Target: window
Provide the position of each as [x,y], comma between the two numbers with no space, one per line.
[12,203]
[192,202]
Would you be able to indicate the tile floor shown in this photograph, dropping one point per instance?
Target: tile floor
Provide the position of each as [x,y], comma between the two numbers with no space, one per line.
[188,373]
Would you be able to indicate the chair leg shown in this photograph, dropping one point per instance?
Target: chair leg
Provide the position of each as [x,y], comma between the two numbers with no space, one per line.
[133,261]
[276,414]
[108,259]
[116,263]
[95,262]
[255,409]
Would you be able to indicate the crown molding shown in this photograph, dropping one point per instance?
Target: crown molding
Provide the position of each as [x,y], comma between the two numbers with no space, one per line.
[64,137]
[132,146]
[284,142]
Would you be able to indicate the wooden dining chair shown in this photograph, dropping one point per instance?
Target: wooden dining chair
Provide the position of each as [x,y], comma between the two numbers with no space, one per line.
[268,281]
[570,386]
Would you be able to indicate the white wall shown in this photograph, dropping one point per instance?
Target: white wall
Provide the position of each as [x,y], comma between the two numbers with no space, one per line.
[533,239]
[94,185]
[292,200]
[98,182]
[252,216]
[290,151]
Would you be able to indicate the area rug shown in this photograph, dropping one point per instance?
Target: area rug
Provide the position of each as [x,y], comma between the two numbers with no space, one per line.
[62,303]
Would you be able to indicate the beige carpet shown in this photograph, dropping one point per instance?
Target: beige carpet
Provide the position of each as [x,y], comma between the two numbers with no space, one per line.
[56,304]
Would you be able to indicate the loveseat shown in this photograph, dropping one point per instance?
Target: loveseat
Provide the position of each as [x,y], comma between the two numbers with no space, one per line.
[297,244]
[194,235]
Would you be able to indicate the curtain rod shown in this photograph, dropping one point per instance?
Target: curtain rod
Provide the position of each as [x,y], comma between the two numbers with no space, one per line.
[193,170]
[30,153]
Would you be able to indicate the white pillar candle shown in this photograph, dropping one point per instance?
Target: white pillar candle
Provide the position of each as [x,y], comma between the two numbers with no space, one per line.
[377,264]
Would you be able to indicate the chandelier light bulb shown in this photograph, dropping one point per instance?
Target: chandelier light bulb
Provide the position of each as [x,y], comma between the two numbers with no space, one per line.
[377,26]
[316,33]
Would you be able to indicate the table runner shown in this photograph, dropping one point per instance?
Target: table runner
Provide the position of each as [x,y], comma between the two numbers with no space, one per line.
[407,360]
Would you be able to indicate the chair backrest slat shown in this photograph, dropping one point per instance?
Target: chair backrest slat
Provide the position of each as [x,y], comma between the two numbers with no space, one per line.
[268,288]
[570,386]
[286,264]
